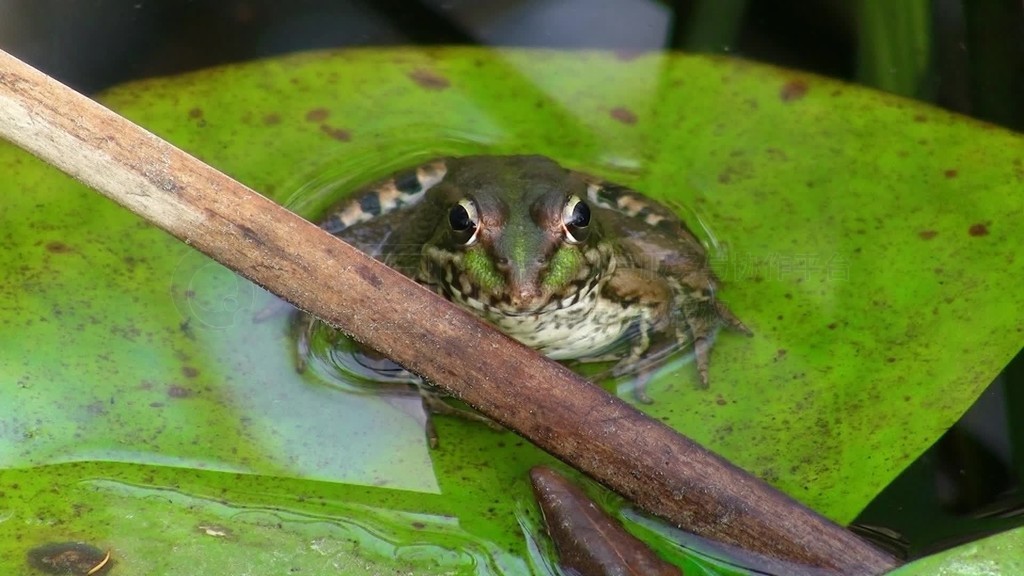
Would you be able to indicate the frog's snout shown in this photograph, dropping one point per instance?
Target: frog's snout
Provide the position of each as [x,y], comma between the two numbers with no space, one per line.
[523,283]
[523,295]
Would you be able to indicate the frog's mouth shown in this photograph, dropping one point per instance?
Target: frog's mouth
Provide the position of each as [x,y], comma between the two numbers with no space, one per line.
[527,303]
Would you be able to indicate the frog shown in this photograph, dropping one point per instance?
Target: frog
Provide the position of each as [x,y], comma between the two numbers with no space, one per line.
[577,267]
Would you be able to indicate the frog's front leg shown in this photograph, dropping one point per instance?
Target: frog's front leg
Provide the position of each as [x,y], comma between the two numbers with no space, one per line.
[649,296]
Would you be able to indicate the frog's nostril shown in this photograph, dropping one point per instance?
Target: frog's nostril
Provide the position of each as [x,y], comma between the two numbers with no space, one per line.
[523,296]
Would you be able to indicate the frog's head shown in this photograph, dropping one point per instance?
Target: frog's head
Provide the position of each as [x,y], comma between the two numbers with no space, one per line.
[517,236]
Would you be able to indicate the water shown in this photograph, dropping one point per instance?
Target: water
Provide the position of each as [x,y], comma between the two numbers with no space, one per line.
[278,527]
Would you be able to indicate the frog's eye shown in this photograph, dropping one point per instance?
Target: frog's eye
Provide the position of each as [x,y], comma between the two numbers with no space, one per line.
[464,221]
[576,220]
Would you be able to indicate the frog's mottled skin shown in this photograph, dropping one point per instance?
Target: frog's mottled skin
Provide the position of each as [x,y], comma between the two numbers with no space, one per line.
[562,261]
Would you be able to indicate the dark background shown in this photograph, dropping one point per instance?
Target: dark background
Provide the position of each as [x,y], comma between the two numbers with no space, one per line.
[967,56]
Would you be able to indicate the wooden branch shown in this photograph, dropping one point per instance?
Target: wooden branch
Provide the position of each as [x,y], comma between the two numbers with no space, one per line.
[642,459]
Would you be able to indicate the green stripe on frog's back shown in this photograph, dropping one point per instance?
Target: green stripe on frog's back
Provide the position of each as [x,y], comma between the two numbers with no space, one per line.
[629,202]
[403,190]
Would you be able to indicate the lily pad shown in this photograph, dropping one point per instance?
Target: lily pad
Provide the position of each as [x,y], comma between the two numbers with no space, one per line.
[869,241]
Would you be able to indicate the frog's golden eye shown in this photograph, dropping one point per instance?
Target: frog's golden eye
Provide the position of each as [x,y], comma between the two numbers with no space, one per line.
[464,221]
[576,220]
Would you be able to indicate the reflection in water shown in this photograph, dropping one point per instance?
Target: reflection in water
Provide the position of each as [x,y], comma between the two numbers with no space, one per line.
[340,533]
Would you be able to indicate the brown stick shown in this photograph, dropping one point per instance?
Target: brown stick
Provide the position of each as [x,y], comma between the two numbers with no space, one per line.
[640,458]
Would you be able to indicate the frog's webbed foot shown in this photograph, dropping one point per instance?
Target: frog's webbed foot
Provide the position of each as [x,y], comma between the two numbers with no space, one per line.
[434,404]
[730,320]
[702,316]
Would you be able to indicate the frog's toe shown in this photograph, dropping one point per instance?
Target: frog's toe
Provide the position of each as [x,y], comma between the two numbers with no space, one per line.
[640,389]
[701,356]
[640,374]
[729,319]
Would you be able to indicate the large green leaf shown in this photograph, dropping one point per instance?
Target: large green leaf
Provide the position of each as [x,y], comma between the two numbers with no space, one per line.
[870,242]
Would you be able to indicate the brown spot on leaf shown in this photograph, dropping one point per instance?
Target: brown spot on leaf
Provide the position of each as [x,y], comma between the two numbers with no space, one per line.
[58,247]
[833,326]
[949,173]
[195,113]
[793,90]
[429,80]
[735,173]
[272,119]
[920,118]
[317,115]
[339,134]
[623,114]
[927,234]
[70,559]
[189,371]
[176,391]
[978,229]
